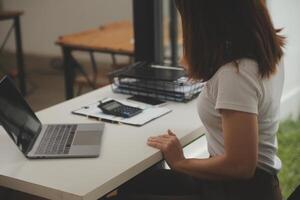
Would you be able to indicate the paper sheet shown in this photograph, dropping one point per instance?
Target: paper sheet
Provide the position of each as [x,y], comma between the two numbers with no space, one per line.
[149,113]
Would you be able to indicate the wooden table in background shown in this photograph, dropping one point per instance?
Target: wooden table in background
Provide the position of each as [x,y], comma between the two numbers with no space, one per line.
[115,39]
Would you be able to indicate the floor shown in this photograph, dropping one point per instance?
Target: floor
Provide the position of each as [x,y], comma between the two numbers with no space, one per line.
[45,84]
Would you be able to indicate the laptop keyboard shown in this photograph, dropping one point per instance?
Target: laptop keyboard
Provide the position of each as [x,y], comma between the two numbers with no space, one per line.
[57,139]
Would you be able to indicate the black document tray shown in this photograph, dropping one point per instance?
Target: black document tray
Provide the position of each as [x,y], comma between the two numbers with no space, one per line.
[146,71]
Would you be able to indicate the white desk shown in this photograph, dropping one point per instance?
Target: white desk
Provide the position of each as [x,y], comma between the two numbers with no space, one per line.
[124,153]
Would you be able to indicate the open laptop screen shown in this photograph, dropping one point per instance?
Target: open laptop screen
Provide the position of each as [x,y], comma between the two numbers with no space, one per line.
[16,116]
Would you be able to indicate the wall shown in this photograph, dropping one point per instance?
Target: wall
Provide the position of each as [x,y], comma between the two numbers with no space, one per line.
[286,15]
[45,20]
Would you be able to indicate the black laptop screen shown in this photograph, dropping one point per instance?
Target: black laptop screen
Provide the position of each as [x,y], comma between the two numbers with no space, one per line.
[16,116]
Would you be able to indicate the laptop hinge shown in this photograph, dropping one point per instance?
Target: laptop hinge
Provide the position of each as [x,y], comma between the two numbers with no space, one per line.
[33,141]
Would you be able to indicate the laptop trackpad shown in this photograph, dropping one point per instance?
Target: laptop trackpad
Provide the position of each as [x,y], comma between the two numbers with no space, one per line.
[86,138]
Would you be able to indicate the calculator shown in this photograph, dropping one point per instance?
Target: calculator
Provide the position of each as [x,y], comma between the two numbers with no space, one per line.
[113,107]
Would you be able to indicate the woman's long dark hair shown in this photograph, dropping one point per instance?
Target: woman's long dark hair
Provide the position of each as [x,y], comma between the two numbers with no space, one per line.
[216,32]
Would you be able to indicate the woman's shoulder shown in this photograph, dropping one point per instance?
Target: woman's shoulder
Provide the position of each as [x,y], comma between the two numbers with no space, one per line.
[244,65]
[236,79]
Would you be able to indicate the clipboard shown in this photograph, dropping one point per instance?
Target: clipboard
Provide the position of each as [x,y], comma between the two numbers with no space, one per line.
[148,114]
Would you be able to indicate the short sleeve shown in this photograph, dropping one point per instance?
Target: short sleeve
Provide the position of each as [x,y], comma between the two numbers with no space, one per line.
[237,90]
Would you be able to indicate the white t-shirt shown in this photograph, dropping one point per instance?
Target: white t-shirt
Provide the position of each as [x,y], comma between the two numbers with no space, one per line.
[242,89]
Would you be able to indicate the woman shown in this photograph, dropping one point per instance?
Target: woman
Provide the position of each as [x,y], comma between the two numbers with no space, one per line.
[233,46]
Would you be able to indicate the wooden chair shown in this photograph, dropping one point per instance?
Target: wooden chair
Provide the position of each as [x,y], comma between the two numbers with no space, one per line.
[157,197]
[295,195]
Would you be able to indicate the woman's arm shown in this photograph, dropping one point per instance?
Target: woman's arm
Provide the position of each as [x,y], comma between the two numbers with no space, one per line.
[239,161]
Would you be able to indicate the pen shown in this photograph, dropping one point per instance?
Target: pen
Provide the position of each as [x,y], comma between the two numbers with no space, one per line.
[110,121]
[104,120]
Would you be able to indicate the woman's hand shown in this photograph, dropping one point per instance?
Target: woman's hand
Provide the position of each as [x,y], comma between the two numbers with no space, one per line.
[170,147]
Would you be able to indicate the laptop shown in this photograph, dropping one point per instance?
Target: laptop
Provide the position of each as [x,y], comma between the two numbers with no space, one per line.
[37,140]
